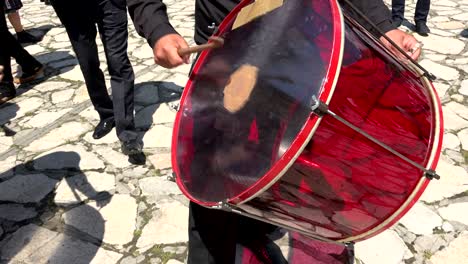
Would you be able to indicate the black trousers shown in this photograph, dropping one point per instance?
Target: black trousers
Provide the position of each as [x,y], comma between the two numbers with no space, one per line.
[10,47]
[421,13]
[214,237]
[80,18]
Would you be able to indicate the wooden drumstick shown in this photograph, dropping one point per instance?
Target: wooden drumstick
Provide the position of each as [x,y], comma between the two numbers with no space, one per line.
[216,42]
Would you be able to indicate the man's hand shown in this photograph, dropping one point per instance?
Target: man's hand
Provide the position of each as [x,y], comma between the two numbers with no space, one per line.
[1,73]
[165,51]
[405,41]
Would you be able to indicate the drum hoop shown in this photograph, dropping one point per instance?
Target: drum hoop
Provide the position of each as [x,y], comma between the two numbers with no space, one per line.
[328,88]
[424,181]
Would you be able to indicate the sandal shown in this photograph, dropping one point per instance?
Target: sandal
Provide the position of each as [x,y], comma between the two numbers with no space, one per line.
[28,77]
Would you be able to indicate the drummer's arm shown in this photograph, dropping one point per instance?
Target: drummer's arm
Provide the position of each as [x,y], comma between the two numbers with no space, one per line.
[380,15]
[151,22]
[375,10]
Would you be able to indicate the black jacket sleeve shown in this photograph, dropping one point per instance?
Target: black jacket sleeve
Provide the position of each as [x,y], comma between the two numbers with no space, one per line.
[150,19]
[377,12]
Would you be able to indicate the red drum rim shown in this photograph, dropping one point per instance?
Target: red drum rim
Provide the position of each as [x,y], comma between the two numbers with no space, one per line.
[304,136]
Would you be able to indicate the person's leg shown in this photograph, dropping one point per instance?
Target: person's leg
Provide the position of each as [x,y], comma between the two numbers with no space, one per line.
[27,62]
[255,236]
[7,89]
[22,35]
[112,24]
[398,11]
[212,236]
[5,62]
[81,30]
[15,21]
[422,10]
[12,8]
[420,16]
[30,66]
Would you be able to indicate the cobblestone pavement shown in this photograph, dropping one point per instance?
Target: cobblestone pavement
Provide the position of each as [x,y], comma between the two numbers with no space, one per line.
[55,179]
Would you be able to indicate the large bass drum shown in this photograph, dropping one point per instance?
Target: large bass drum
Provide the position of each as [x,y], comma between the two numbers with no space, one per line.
[247,139]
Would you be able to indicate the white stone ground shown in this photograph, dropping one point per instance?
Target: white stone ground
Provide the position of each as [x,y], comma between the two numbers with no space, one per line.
[55,180]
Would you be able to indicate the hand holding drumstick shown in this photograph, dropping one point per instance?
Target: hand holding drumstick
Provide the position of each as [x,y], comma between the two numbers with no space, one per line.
[172,50]
[215,42]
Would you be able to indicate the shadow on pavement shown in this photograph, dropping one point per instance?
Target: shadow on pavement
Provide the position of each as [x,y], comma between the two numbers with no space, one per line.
[33,228]
[148,98]
[8,111]
[39,32]
[47,59]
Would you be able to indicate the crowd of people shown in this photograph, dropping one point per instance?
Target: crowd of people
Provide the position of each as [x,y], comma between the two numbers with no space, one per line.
[213,235]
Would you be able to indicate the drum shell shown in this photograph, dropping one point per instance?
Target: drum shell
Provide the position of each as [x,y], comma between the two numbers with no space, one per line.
[344,187]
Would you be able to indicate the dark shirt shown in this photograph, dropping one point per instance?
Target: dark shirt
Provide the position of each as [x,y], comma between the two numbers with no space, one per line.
[151,21]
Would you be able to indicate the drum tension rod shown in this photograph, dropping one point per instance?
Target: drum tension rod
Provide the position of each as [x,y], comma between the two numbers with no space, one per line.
[320,109]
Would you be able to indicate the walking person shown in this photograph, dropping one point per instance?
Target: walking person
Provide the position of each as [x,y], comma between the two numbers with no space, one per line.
[80,18]
[217,236]
[420,15]
[30,67]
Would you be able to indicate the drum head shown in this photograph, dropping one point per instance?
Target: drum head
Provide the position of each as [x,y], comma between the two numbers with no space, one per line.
[245,113]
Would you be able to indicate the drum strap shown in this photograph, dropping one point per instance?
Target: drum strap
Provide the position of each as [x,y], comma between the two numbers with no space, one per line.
[320,109]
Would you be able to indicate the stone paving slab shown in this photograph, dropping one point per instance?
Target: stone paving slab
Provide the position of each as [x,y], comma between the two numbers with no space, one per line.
[67,198]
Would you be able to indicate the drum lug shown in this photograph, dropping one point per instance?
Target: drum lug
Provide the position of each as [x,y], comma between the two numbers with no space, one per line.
[214,28]
[318,107]
[224,205]
[432,174]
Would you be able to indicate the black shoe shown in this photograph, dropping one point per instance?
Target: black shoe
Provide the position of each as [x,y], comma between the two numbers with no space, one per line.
[137,159]
[26,37]
[422,29]
[397,21]
[464,33]
[132,147]
[103,128]
[7,92]
[29,76]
